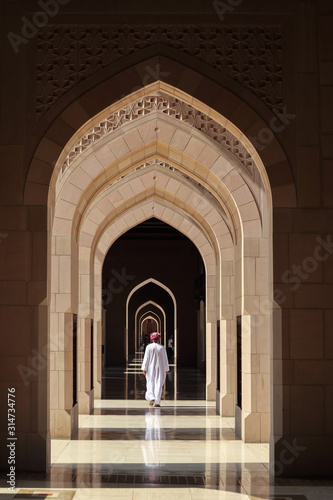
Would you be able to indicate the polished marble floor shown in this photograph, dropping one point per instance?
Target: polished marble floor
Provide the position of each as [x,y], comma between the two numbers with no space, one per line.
[183,450]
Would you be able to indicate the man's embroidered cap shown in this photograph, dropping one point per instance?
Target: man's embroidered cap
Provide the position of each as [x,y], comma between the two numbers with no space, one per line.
[155,336]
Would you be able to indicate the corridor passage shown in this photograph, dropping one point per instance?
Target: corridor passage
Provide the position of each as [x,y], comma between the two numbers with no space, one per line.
[129,451]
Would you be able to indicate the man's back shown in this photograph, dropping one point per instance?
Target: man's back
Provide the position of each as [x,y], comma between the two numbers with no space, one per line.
[155,358]
[155,366]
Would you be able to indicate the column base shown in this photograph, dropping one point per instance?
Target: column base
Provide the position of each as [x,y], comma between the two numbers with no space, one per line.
[211,391]
[86,402]
[98,390]
[64,423]
[252,427]
[227,405]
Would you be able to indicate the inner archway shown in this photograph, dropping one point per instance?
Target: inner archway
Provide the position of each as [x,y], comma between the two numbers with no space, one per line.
[198,173]
[154,310]
[162,267]
[148,326]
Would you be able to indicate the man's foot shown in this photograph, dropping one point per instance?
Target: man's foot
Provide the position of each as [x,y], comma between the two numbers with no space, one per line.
[157,406]
[151,403]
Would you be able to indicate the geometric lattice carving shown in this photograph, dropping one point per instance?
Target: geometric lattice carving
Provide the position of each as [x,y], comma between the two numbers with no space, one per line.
[159,163]
[166,165]
[163,164]
[209,196]
[250,55]
[169,106]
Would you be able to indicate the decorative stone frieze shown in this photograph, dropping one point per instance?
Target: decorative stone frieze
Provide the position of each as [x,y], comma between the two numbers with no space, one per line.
[169,106]
[250,55]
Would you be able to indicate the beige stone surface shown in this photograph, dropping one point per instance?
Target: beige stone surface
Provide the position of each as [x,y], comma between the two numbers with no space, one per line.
[297,163]
[251,432]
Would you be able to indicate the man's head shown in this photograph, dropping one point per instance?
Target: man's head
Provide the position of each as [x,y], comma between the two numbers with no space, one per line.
[155,337]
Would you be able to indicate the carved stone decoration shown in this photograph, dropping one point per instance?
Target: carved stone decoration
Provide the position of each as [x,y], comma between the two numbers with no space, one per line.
[156,162]
[250,55]
[169,106]
[159,163]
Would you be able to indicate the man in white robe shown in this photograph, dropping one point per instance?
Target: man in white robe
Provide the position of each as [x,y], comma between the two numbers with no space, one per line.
[155,367]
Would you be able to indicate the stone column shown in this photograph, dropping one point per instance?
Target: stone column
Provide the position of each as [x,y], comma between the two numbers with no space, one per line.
[253,420]
[227,342]
[64,410]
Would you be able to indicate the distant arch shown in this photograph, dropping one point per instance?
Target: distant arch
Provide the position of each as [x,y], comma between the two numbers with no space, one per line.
[158,283]
[149,302]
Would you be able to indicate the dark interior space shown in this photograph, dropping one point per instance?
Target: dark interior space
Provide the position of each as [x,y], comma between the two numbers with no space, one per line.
[152,250]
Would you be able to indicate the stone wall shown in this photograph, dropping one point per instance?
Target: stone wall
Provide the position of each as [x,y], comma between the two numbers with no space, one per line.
[45,102]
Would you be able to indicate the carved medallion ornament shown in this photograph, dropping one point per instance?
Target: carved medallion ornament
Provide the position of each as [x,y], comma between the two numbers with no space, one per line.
[250,55]
[169,106]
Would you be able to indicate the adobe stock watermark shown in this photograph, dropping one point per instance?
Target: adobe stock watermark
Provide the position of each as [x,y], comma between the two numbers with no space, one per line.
[49,9]
[222,8]
[3,236]
[294,276]
[38,363]
[287,456]
[276,125]
[152,74]
[39,359]
[116,285]
[310,264]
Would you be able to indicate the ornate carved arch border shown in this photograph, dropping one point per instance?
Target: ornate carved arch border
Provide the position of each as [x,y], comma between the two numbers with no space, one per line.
[82,110]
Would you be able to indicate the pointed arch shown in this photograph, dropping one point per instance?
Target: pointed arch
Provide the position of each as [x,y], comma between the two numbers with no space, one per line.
[151,302]
[103,186]
[173,298]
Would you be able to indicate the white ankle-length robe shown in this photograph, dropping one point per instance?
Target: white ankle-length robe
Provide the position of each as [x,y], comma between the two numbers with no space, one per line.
[155,363]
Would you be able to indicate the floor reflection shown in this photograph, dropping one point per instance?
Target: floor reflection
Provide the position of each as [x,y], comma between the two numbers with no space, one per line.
[154,435]
[181,451]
